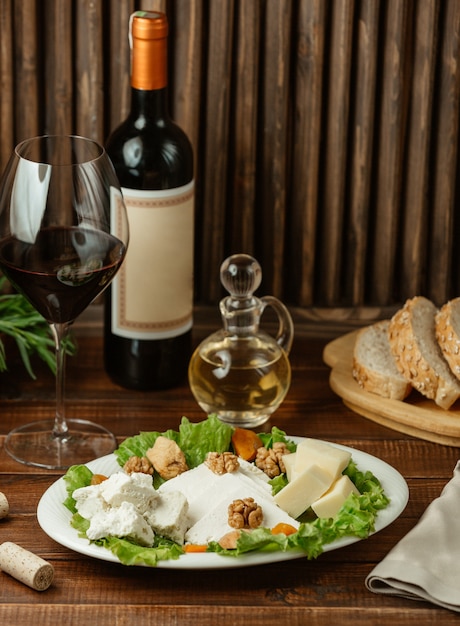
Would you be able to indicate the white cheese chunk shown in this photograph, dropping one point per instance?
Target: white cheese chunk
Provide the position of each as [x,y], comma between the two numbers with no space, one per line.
[330,503]
[329,458]
[88,501]
[121,521]
[169,517]
[305,488]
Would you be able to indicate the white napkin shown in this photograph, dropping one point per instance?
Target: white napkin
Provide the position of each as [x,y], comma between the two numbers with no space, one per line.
[425,564]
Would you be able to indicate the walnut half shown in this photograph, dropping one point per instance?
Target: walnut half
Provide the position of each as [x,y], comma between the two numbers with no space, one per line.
[139,464]
[270,460]
[244,513]
[222,463]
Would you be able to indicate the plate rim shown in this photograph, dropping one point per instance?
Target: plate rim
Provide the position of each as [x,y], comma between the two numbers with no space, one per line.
[68,537]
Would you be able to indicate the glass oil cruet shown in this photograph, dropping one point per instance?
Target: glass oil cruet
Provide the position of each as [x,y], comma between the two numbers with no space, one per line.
[240,372]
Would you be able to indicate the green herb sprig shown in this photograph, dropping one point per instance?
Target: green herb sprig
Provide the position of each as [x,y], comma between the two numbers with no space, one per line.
[30,331]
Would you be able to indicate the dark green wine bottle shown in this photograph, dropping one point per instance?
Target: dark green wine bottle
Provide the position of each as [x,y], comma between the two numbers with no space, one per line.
[149,307]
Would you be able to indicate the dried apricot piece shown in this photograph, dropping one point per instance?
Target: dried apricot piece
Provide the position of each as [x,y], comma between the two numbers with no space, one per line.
[195,547]
[97,479]
[283,529]
[246,443]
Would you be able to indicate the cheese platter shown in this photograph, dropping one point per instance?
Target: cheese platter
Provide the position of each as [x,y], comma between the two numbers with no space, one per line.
[54,518]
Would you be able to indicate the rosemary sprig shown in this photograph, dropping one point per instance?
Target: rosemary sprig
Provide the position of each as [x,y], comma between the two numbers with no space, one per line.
[30,331]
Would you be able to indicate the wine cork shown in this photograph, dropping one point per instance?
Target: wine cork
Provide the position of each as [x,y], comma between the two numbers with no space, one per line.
[4,506]
[25,566]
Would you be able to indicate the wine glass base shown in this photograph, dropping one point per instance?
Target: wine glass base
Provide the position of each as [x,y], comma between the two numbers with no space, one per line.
[35,444]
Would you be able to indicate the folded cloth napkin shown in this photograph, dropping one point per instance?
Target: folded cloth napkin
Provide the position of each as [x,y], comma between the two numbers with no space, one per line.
[425,564]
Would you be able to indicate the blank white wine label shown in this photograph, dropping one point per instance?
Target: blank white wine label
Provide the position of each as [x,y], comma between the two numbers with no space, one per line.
[152,294]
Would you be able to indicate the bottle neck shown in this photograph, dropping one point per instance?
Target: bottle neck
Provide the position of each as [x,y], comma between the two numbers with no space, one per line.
[241,316]
[149,104]
[149,78]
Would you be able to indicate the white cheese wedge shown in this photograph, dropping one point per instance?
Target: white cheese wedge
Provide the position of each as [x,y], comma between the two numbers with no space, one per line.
[121,521]
[252,471]
[305,488]
[168,517]
[219,490]
[333,460]
[204,489]
[330,503]
[213,524]
[191,483]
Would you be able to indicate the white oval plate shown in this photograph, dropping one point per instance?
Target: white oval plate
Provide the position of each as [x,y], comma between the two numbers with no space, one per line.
[54,518]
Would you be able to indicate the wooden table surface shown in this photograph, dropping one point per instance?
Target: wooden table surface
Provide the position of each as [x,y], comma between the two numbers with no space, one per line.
[326,591]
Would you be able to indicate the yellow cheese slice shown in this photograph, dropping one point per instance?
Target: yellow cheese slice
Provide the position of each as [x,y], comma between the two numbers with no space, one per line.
[329,504]
[305,488]
[329,458]
[289,463]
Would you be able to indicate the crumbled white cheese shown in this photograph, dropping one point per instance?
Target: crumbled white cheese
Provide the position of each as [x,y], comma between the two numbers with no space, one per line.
[136,488]
[89,501]
[148,513]
[121,521]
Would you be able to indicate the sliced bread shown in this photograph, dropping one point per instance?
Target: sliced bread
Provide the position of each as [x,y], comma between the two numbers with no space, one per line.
[417,353]
[448,333]
[374,367]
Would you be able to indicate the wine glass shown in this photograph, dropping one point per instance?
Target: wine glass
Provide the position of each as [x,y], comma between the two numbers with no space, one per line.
[63,236]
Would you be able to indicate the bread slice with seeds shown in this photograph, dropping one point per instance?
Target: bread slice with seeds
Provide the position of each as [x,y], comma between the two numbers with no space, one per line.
[447,330]
[417,353]
[374,367]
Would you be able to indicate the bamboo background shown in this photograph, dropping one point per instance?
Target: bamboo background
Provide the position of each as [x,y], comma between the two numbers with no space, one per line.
[325,131]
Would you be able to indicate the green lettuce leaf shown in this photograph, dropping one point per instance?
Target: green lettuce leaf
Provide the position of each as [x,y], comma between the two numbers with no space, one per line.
[194,439]
[197,439]
[80,523]
[277,435]
[132,554]
[278,483]
[76,476]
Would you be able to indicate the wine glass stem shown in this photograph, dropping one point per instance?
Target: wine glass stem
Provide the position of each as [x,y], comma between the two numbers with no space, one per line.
[60,332]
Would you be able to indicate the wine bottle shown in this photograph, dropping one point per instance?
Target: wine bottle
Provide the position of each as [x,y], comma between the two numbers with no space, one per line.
[149,307]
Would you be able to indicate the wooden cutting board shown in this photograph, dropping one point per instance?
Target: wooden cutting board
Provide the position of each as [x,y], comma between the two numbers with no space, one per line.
[415,416]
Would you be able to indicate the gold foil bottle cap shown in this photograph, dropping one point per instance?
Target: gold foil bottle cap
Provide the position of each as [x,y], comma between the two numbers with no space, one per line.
[148,39]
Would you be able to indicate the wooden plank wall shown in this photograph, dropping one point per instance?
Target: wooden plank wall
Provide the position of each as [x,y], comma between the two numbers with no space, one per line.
[325,131]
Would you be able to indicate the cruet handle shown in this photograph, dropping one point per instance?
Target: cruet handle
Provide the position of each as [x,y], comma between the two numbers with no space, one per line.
[285,333]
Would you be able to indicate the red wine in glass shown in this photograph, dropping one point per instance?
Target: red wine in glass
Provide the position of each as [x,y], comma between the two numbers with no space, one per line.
[63,270]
